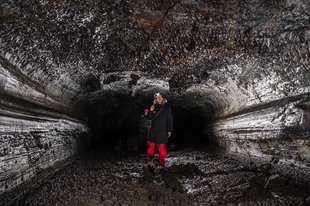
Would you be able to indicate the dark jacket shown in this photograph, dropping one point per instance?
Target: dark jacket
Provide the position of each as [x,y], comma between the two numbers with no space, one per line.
[162,123]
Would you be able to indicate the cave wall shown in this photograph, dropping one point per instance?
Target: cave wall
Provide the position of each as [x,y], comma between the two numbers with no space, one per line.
[37,129]
[277,132]
[34,135]
[245,64]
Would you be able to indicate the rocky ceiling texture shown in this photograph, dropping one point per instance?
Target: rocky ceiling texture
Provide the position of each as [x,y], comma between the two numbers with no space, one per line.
[67,67]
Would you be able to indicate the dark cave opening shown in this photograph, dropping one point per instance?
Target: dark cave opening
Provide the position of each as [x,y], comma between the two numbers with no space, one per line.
[114,122]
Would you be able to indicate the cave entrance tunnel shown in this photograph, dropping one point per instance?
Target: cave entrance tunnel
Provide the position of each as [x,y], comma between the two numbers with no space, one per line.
[114,122]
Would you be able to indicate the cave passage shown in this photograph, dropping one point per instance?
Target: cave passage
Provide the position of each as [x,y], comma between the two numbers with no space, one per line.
[75,76]
[112,169]
[114,123]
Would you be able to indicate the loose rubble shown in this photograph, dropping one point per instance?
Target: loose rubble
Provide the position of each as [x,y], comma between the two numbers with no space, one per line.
[190,178]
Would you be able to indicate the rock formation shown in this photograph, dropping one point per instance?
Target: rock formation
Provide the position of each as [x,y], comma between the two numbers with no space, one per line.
[68,67]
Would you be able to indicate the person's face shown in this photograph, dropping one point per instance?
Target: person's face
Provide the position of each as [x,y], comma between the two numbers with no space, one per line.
[159,99]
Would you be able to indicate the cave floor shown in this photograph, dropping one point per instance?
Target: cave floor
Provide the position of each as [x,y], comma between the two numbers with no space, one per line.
[191,178]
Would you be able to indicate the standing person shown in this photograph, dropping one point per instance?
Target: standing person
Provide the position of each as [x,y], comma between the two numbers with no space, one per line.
[161,129]
[144,128]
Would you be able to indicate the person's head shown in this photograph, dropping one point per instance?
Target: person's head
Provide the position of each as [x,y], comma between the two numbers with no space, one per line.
[145,111]
[159,99]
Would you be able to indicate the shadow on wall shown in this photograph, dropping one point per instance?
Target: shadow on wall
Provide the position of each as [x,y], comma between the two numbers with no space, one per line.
[114,121]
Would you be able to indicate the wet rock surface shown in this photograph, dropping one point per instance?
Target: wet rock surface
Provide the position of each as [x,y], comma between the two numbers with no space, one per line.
[33,138]
[191,178]
[241,65]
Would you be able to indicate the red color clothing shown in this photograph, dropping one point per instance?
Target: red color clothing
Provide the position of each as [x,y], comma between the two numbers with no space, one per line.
[161,150]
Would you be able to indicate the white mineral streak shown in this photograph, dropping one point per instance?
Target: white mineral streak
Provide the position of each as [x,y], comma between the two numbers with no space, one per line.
[10,85]
[28,145]
[253,70]
[261,131]
[33,138]
[151,85]
[122,84]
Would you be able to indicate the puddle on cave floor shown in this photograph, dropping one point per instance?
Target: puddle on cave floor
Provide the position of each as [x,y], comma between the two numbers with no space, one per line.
[191,178]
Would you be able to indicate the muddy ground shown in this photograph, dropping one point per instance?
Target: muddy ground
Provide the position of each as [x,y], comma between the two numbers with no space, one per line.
[191,178]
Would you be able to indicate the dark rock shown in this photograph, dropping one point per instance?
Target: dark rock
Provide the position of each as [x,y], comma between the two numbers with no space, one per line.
[235,71]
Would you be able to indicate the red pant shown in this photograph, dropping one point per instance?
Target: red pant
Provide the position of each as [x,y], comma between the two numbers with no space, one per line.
[161,150]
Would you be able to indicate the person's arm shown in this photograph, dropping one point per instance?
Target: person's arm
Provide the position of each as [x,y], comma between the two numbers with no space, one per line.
[170,122]
[151,115]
